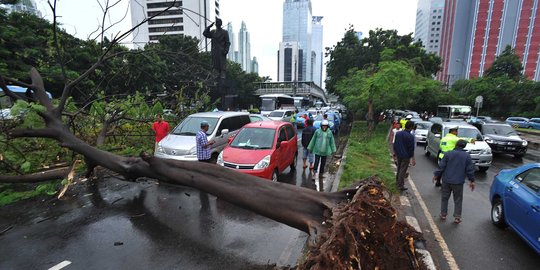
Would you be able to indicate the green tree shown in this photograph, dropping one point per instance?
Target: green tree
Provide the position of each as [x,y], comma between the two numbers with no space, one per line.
[506,64]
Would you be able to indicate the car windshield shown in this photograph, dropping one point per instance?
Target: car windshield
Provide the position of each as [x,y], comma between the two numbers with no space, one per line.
[319,118]
[276,114]
[191,125]
[330,117]
[254,138]
[423,125]
[471,133]
[498,130]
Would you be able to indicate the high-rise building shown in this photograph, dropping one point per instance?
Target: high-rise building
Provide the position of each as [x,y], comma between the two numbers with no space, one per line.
[476,31]
[317,51]
[254,65]
[185,18]
[290,57]
[22,6]
[297,28]
[232,55]
[429,20]
[244,48]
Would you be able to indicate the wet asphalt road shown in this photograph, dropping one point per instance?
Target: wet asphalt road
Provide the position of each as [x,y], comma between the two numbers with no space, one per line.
[115,224]
[475,243]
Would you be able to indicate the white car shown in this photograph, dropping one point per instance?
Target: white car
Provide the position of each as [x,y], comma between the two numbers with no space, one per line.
[281,115]
[422,128]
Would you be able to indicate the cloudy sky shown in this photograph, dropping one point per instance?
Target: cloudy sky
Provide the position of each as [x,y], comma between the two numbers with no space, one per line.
[263,19]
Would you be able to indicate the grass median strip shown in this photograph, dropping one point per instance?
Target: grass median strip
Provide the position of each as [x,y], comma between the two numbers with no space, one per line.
[367,156]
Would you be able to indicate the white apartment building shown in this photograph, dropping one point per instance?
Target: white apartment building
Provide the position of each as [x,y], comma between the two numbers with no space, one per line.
[429,24]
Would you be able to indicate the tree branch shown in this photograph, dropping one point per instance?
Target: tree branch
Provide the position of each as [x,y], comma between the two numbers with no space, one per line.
[39,90]
[56,44]
[29,133]
[57,173]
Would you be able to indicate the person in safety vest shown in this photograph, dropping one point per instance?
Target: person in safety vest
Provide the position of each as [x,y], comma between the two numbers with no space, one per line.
[404,121]
[448,143]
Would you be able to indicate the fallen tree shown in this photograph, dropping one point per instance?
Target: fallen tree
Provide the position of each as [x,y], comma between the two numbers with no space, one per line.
[339,223]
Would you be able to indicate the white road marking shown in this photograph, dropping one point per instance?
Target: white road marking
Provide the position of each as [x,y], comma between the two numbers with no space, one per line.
[404,201]
[427,259]
[413,222]
[60,265]
[438,236]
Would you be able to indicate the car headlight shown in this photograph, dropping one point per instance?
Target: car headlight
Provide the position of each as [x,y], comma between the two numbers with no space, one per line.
[486,151]
[489,140]
[193,151]
[220,159]
[264,163]
[160,149]
[524,143]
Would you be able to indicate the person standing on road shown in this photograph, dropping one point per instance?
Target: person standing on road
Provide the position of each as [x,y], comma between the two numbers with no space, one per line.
[160,128]
[202,143]
[307,134]
[322,145]
[404,154]
[448,143]
[453,168]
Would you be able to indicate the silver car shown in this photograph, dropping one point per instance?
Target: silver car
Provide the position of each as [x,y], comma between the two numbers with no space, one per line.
[281,115]
[421,131]
[180,143]
[480,151]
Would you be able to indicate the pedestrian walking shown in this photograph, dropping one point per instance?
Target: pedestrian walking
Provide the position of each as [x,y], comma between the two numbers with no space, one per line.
[404,154]
[307,134]
[453,168]
[161,129]
[322,145]
[202,143]
[448,143]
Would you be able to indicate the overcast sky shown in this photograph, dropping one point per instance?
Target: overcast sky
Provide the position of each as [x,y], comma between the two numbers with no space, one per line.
[263,18]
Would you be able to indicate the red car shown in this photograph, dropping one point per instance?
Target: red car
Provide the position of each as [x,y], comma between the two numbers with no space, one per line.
[264,149]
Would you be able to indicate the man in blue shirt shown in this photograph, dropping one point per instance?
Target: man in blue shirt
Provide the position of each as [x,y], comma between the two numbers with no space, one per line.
[454,166]
[404,153]
[203,145]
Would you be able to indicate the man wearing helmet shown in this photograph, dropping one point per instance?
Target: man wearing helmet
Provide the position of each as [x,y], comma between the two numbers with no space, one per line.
[322,145]
[405,120]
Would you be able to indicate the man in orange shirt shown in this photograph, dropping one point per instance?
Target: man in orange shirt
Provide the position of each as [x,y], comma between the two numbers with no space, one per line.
[160,128]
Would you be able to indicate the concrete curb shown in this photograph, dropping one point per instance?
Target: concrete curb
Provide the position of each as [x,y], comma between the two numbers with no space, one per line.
[337,176]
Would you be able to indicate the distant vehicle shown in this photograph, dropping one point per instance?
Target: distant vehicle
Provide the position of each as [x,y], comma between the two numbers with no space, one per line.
[258,117]
[480,151]
[301,102]
[422,128]
[454,111]
[487,119]
[6,102]
[300,120]
[515,202]
[518,122]
[502,138]
[272,102]
[281,115]
[264,149]
[180,143]
[435,120]
[534,123]
[331,124]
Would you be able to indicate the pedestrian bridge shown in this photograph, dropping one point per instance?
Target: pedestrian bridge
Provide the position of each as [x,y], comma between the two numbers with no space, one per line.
[304,89]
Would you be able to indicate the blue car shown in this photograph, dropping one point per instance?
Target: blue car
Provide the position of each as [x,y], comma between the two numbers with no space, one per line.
[518,122]
[534,123]
[515,200]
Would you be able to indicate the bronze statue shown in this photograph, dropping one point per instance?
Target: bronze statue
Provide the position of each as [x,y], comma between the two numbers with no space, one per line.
[220,46]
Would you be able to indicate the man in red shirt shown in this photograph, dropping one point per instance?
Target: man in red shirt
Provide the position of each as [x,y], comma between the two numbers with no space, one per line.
[160,128]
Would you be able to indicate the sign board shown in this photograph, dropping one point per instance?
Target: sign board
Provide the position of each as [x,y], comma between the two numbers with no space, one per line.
[478,102]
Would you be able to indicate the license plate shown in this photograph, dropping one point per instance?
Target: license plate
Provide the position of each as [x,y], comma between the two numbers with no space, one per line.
[509,148]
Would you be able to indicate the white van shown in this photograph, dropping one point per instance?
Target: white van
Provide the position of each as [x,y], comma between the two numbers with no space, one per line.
[180,143]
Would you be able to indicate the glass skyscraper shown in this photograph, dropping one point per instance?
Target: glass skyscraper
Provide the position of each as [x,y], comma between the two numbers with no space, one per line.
[297,27]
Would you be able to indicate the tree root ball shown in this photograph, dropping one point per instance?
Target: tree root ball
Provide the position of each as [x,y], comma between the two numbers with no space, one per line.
[365,234]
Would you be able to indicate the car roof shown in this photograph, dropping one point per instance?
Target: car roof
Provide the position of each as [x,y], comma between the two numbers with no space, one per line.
[267,124]
[455,123]
[218,114]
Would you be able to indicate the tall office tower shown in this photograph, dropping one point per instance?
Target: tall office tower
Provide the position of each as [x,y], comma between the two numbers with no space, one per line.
[317,51]
[254,65]
[244,48]
[476,31]
[188,18]
[23,6]
[290,58]
[297,27]
[233,48]
[429,20]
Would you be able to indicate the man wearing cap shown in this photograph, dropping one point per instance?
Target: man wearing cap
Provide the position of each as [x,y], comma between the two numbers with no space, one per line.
[322,145]
[448,143]
[203,145]
[404,121]
[454,166]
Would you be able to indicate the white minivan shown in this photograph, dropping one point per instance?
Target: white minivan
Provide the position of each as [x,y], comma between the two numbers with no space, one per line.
[480,151]
[180,143]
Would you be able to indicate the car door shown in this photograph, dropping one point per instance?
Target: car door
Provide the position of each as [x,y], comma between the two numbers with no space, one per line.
[222,139]
[281,151]
[287,116]
[522,205]
[292,147]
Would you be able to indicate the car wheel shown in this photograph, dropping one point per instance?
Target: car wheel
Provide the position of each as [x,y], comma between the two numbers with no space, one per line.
[275,176]
[483,169]
[293,164]
[426,151]
[497,214]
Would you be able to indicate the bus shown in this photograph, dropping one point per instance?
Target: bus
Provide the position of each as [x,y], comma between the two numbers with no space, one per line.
[454,112]
[272,102]
[301,102]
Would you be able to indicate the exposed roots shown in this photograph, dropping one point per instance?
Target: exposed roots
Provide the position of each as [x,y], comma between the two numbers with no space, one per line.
[365,234]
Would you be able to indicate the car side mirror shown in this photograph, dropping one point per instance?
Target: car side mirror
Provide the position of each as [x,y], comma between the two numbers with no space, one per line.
[230,140]
[519,133]
[224,132]
[437,135]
